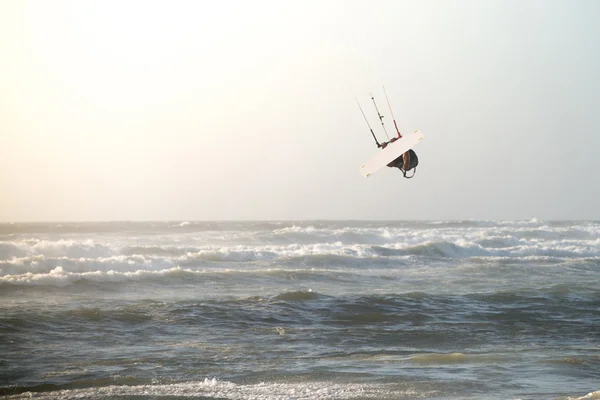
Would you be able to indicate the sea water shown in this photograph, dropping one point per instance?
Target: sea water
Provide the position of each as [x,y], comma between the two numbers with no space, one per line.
[300,310]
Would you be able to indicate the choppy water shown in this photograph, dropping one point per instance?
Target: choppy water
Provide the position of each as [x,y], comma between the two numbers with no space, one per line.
[301,310]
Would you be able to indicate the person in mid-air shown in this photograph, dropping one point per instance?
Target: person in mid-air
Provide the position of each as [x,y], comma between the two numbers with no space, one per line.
[406,162]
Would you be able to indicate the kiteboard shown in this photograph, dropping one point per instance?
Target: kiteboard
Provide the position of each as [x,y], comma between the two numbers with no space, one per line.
[391,152]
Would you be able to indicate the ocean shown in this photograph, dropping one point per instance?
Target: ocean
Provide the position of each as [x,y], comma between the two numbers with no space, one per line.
[300,310]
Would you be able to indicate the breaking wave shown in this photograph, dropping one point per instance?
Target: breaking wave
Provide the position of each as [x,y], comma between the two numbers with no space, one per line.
[216,389]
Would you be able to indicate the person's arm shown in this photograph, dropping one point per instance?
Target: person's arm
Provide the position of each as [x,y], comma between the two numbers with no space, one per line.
[384,144]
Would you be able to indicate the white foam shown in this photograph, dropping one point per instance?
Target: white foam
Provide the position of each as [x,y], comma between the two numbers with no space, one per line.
[478,246]
[42,264]
[296,229]
[55,248]
[520,240]
[213,388]
[589,396]
[59,277]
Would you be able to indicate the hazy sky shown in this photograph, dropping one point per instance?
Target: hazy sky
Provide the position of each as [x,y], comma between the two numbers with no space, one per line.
[196,110]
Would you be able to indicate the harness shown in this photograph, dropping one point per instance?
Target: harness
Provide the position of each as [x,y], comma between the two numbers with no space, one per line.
[404,173]
[414,161]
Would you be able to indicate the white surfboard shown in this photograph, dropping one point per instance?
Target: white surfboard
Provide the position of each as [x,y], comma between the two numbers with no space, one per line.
[391,152]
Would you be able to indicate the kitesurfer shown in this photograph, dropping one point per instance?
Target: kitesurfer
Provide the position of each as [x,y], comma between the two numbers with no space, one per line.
[407,161]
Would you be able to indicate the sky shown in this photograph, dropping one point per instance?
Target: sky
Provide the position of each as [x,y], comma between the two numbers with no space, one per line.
[246,110]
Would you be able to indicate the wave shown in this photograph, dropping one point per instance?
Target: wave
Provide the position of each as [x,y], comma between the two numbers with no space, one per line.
[589,396]
[40,264]
[297,296]
[12,250]
[59,277]
[216,389]
[413,309]
[127,387]
[592,362]
[247,242]
[310,234]
[337,253]
[451,358]
[158,250]
[55,248]
[456,358]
